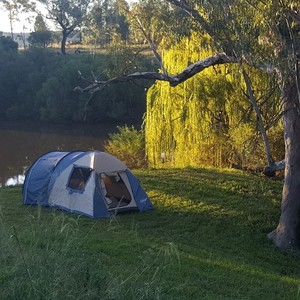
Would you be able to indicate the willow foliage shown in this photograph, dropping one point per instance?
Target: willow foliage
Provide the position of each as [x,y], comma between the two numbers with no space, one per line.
[208,119]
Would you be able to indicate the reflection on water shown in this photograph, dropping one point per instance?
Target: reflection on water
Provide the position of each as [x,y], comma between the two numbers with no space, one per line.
[22,143]
[16,180]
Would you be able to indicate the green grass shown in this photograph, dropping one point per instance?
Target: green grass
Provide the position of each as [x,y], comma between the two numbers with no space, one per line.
[206,239]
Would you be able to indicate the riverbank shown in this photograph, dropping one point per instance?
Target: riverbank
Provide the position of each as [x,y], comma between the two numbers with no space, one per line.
[206,239]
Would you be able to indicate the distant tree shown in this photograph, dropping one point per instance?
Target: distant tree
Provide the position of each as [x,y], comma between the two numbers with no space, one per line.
[41,35]
[67,15]
[107,22]
[39,24]
[120,19]
[40,38]
[157,20]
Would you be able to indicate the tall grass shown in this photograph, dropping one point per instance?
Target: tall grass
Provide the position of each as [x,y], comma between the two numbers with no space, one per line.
[47,259]
[44,260]
[206,239]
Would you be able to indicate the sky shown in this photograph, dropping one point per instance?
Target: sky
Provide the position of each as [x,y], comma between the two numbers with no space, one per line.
[17,26]
[20,26]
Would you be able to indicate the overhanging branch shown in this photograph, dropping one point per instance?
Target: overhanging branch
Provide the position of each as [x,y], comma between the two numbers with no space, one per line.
[174,80]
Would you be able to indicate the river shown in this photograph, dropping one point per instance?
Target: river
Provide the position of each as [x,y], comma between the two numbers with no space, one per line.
[21,143]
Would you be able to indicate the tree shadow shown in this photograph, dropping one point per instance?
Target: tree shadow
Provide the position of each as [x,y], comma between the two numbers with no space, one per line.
[221,214]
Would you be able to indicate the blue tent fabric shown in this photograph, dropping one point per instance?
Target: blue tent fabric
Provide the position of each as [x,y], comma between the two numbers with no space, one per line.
[143,202]
[69,158]
[37,178]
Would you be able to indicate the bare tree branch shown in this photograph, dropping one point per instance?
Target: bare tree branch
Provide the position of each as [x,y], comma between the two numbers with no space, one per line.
[262,128]
[174,80]
[151,44]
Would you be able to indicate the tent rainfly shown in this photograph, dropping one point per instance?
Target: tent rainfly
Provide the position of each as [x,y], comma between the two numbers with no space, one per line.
[90,183]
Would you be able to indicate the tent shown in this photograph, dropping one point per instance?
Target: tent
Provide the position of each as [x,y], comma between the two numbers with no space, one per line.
[90,183]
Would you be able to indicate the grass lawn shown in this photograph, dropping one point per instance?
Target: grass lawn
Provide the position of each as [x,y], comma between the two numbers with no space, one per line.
[206,239]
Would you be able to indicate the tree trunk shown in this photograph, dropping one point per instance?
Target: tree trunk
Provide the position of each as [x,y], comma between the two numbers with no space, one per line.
[11,25]
[276,166]
[259,118]
[63,42]
[287,234]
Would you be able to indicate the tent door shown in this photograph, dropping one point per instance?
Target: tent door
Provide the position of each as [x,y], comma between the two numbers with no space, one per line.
[116,190]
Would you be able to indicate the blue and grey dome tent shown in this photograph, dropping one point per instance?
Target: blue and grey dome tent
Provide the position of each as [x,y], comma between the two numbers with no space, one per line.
[90,183]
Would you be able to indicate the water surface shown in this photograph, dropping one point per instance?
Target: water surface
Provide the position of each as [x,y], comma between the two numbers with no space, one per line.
[22,143]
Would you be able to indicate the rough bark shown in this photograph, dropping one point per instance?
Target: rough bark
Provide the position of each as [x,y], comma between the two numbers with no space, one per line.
[287,234]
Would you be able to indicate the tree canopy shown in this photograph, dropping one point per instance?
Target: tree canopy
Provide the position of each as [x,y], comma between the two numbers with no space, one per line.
[106,23]
[264,35]
[41,36]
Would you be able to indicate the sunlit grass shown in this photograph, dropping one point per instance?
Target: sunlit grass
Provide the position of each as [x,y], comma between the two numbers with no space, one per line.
[206,239]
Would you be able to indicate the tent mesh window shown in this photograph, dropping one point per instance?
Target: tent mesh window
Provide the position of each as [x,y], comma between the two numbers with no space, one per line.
[79,178]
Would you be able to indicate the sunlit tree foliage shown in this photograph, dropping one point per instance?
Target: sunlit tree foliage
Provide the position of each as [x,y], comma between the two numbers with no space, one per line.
[208,120]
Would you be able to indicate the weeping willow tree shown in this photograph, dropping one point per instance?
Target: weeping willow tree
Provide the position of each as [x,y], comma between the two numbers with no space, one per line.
[207,120]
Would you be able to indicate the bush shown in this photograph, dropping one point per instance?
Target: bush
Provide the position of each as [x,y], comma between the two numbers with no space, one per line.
[8,44]
[128,145]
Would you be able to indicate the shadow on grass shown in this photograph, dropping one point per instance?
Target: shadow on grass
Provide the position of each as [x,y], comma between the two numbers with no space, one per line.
[205,239]
[222,195]
[221,213]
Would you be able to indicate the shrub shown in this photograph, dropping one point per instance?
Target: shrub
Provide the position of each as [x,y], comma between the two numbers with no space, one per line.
[8,44]
[128,145]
